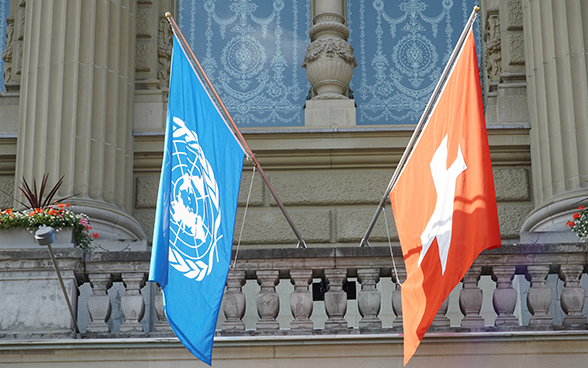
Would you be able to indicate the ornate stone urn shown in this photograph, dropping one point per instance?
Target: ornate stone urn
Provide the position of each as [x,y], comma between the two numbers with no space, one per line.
[329,59]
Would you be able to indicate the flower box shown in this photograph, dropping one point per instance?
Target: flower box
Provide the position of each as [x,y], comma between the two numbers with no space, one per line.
[21,238]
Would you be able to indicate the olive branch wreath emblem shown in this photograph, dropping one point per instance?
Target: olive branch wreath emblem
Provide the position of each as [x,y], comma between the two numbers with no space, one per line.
[198,269]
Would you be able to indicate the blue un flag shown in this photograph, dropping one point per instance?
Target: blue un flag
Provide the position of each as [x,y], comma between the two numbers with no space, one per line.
[196,207]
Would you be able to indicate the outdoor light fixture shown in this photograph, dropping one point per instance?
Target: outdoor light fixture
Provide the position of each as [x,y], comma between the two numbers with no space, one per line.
[46,236]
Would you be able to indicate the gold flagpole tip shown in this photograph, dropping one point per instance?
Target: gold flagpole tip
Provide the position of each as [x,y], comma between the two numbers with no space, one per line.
[168,14]
[476,9]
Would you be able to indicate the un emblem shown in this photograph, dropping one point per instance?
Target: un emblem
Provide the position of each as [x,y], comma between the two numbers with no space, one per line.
[195,214]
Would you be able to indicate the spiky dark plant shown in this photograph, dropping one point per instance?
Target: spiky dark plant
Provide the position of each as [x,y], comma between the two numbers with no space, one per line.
[35,197]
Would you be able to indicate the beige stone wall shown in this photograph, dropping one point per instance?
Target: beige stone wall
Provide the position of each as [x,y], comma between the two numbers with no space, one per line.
[331,183]
[478,351]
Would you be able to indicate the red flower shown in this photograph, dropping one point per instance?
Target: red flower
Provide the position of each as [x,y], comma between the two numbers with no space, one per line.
[580,207]
[52,211]
[8,211]
[95,235]
[576,216]
[60,205]
[571,223]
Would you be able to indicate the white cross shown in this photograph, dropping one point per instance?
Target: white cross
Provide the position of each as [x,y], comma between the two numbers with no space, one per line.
[441,221]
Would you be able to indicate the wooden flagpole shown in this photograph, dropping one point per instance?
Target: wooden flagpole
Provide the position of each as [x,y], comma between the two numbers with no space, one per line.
[233,126]
[420,126]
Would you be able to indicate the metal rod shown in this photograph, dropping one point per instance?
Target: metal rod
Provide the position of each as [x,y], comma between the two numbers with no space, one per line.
[234,127]
[424,118]
[58,272]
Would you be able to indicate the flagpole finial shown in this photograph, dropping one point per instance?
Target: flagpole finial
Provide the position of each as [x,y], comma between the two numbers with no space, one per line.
[168,14]
[476,9]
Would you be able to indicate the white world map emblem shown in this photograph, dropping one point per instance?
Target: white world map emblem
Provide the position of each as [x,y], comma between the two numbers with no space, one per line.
[194,207]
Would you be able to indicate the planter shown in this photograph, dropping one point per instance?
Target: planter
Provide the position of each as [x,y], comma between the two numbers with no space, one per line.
[20,238]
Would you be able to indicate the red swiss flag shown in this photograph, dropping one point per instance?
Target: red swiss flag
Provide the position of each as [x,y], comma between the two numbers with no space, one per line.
[444,202]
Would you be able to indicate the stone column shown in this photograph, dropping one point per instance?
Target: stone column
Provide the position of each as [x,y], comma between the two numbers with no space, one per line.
[329,63]
[539,296]
[573,295]
[132,303]
[397,297]
[268,300]
[301,299]
[504,298]
[336,300]
[234,301]
[369,298]
[99,302]
[470,300]
[557,76]
[76,107]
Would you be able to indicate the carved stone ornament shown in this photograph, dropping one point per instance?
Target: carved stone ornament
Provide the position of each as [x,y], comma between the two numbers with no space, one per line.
[330,47]
[164,51]
[493,54]
[329,64]
[7,53]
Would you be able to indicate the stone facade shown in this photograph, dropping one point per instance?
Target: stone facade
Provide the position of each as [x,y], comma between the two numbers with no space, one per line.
[58,114]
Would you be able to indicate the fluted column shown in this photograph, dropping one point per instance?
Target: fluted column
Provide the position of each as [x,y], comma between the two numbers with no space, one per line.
[557,76]
[76,106]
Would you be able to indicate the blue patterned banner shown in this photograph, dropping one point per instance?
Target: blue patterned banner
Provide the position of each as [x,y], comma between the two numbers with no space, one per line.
[4,10]
[252,51]
[402,48]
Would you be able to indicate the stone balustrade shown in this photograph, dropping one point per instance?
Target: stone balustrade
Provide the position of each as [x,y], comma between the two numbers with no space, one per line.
[523,287]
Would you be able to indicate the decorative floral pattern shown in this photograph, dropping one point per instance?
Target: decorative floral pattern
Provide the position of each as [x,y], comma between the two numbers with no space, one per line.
[402,49]
[251,50]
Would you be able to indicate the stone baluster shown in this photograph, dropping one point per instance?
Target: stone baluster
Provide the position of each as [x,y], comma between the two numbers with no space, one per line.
[572,296]
[539,296]
[369,298]
[268,301]
[397,298]
[132,303]
[441,320]
[301,299]
[162,325]
[99,302]
[470,300]
[504,297]
[234,301]
[336,300]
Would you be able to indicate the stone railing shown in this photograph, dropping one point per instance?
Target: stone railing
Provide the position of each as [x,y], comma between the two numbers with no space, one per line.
[305,291]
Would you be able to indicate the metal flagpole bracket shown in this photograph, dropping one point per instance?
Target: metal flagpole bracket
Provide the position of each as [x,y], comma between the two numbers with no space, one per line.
[46,236]
[421,124]
[231,124]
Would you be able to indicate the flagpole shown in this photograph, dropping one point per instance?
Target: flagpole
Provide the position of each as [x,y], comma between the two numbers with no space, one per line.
[364,241]
[234,127]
